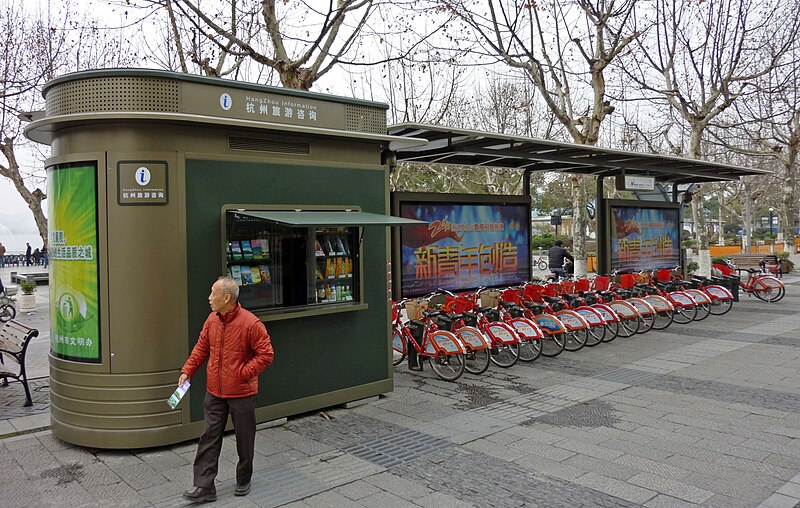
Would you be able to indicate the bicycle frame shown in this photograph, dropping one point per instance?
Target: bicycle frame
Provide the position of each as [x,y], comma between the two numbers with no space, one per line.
[759,283]
[434,341]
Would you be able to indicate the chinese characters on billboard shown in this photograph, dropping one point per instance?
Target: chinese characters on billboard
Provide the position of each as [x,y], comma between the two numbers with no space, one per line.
[72,213]
[463,246]
[644,238]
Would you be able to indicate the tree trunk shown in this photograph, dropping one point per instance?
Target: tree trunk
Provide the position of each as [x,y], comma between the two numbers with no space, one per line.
[748,216]
[788,208]
[579,225]
[721,231]
[32,198]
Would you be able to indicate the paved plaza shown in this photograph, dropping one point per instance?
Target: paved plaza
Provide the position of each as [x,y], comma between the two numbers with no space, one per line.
[705,414]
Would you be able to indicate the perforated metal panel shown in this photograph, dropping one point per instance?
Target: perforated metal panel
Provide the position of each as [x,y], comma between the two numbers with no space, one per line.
[114,93]
[365,119]
[267,145]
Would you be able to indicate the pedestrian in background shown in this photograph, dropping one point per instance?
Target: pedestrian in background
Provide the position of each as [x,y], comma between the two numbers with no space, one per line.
[556,256]
[237,347]
[28,261]
[2,255]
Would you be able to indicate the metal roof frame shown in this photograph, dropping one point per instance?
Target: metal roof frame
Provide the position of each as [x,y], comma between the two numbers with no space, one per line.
[461,147]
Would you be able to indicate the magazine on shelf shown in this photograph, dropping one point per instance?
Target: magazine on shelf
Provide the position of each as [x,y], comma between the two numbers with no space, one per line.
[255,274]
[258,250]
[247,276]
[236,273]
[178,394]
[327,247]
[236,250]
[264,273]
[247,249]
[339,245]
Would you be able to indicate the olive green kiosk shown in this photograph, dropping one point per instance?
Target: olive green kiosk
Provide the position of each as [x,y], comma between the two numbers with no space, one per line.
[161,182]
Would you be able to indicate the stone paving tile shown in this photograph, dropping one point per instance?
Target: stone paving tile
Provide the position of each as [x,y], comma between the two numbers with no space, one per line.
[478,474]
[614,470]
[140,476]
[344,428]
[779,501]
[616,488]
[584,448]
[672,488]
[358,490]
[652,466]
[663,501]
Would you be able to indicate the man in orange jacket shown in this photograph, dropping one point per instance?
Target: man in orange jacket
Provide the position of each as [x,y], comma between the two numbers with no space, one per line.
[237,347]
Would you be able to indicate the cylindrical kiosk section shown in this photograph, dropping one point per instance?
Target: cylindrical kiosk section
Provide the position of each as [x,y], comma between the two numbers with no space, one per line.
[158,184]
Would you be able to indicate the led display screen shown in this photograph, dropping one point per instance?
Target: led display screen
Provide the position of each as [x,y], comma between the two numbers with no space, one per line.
[644,237]
[464,245]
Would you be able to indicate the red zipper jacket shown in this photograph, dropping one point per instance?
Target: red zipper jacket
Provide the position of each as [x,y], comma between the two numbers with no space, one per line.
[237,347]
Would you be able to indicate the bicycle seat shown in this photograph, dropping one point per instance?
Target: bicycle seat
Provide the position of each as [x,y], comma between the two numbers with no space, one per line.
[481,310]
[551,299]
[507,305]
[533,305]
[432,313]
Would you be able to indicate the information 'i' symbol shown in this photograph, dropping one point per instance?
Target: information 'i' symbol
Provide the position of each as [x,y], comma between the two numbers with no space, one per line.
[142,176]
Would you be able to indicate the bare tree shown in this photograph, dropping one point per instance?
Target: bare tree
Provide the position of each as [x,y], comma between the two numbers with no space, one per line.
[767,127]
[565,50]
[37,46]
[702,57]
[30,56]
[299,40]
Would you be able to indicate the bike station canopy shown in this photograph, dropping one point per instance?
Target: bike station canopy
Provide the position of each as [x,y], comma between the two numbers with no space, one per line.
[461,147]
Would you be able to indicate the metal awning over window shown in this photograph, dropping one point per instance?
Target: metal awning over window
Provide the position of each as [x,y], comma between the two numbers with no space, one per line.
[339,218]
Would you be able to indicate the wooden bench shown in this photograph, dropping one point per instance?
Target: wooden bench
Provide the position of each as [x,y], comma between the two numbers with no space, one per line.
[766,262]
[14,340]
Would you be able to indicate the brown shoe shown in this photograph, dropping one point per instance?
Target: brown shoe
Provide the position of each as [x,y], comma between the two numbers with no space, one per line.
[201,495]
[242,490]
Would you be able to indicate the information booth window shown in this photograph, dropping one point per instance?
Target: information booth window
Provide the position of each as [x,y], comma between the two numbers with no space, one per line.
[281,265]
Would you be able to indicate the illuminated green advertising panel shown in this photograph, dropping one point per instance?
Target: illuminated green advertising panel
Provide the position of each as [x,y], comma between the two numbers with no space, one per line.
[72,215]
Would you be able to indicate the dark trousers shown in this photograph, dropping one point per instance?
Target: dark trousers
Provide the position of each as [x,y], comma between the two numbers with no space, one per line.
[243,414]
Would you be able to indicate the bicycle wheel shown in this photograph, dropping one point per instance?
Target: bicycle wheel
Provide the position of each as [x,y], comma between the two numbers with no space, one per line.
[628,326]
[612,331]
[505,355]
[448,367]
[646,322]
[398,347]
[530,349]
[684,315]
[7,313]
[703,310]
[768,293]
[553,345]
[720,307]
[575,339]
[596,335]
[476,361]
[663,319]
[542,265]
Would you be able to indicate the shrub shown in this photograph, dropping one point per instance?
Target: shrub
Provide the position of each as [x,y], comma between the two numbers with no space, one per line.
[27,287]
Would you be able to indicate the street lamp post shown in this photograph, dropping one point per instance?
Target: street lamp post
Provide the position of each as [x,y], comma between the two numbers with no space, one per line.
[770,219]
[772,243]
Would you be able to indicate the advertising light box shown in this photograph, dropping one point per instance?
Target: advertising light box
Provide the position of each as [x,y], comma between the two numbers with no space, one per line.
[644,235]
[469,241]
[74,293]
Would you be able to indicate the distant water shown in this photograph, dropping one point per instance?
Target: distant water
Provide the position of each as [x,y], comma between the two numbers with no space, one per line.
[15,243]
